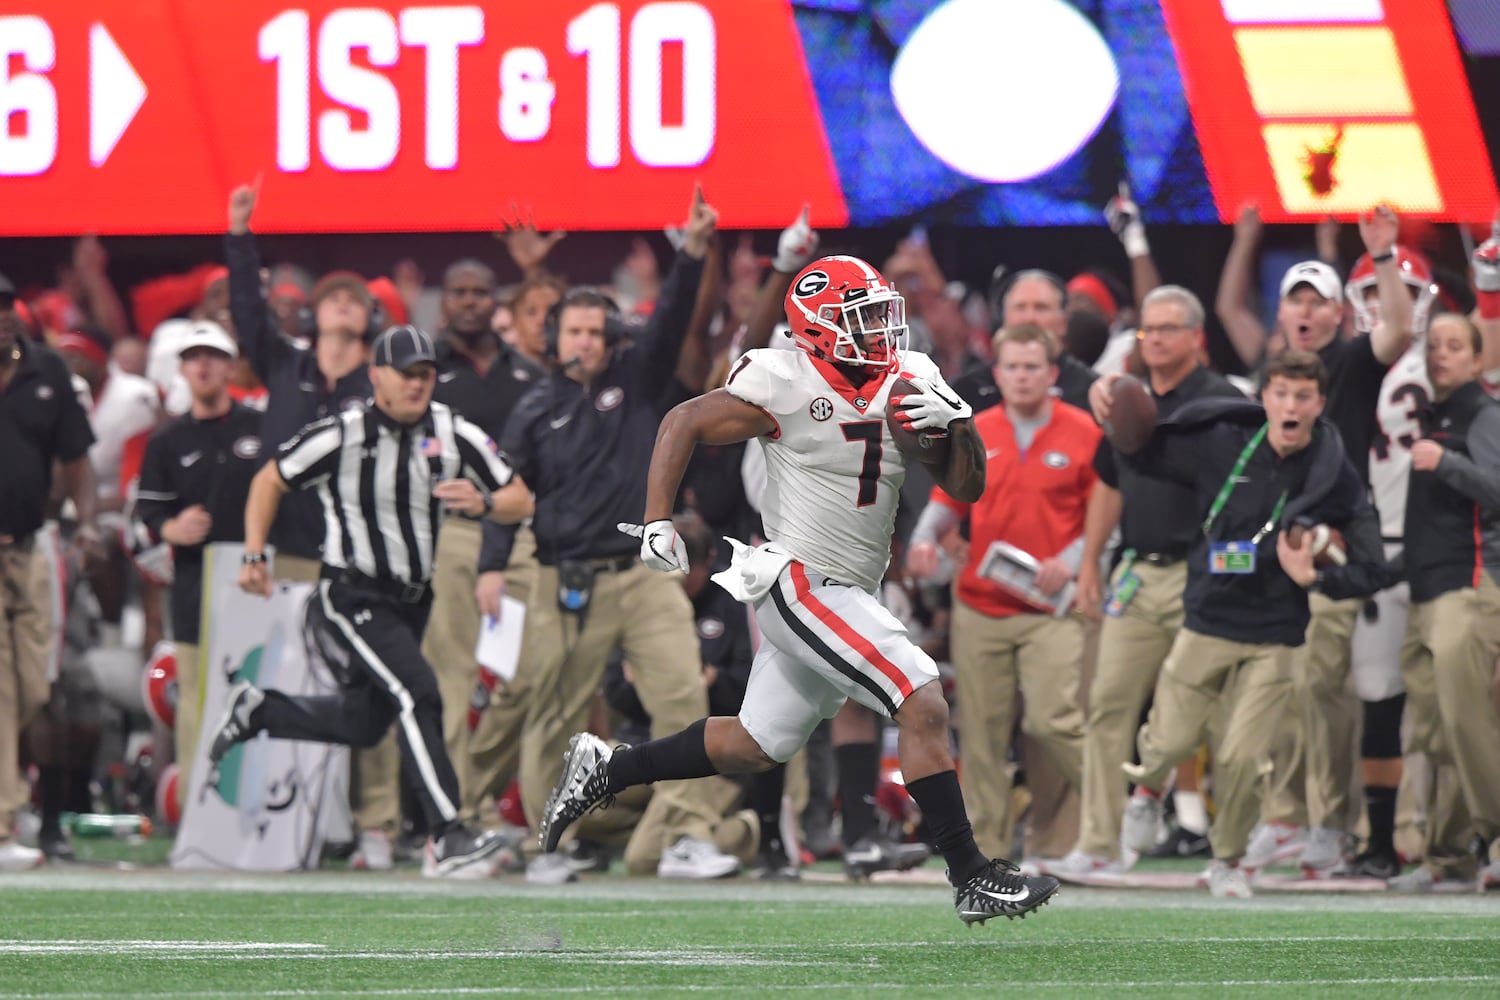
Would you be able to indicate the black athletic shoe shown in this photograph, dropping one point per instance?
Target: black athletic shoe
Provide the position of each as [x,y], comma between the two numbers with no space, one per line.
[1370,864]
[461,852]
[1181,843]
[774,866]
[235,726]
[1000,891]
[875,854]
[55,845]
[585,776]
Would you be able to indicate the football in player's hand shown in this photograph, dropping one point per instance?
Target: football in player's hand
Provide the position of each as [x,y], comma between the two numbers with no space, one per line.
[1132,415]
[931,448]
[1327,544]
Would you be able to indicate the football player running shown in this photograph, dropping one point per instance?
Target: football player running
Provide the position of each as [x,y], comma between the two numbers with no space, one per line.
[833,478]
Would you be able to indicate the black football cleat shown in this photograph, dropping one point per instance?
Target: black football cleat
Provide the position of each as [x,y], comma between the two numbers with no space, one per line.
[583,786]
[999,890]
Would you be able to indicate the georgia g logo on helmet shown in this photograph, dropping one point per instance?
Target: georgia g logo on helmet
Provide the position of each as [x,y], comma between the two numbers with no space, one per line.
[842,310]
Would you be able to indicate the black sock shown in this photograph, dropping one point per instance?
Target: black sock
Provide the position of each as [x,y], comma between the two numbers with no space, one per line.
[859,772]
[1380,804]
[942,805]
[766,791]
[79,797]
[681,755]
[52,787]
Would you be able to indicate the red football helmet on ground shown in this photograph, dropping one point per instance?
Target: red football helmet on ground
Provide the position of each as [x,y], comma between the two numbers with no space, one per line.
[841,309]
[159,684]
[167,809]
[1415,272]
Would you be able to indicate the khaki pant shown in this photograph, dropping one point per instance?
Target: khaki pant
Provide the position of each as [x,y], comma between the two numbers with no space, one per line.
[25,649]
[1454,640]
[1255,683]
[452,632]
[994,661]
[495,744]
[648,616]
[1314,755]
[1132,648]
[375,779]
[189,726]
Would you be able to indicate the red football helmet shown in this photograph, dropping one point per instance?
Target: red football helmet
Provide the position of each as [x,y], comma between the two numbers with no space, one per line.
[159,684]
[1417,274]
[841,309]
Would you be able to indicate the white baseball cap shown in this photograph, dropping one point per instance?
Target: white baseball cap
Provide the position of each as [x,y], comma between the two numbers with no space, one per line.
[1323,279]
[207,333]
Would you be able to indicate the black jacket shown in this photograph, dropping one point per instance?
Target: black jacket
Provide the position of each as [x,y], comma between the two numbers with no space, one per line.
[209,462]
[1198,447]
[483,400]
[977,386]
[297,390]
[40,422]
[585,450]
[1452,530]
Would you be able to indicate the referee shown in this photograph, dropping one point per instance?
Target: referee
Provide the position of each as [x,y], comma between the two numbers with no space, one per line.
[380,473]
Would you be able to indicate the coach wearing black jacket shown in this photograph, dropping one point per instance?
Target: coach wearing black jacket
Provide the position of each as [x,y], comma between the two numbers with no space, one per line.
[195,479]
[1256,472]
[1452,558]
[583,440]
[303,385]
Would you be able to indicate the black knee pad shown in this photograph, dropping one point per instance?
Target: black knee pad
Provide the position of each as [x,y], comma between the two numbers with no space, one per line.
[1382,736]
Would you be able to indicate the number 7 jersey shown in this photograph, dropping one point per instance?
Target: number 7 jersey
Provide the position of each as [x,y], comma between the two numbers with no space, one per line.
[833,472]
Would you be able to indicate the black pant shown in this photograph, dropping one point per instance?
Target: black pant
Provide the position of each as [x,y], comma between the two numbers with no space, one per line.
[375,642]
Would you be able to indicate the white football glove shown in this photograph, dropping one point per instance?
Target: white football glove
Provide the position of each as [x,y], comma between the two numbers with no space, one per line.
[796,246]
[932,407]
[1124,218]
[662,548]
[1487,262]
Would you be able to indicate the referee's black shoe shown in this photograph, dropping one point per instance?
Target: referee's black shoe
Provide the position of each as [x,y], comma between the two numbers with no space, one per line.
[236,724]
[999,890]
[462,852]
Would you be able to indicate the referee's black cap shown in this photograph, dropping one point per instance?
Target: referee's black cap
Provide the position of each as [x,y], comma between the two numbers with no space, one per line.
[401,347]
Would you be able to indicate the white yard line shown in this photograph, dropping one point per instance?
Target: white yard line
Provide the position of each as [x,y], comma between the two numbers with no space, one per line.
[762,988]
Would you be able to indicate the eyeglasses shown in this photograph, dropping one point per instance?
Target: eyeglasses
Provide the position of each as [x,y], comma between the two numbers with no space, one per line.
[1164,329]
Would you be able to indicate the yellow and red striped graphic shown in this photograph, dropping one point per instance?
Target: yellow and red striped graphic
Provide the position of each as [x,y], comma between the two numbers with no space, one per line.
[1318,107]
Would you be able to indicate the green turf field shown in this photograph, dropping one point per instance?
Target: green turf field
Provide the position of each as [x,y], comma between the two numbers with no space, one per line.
[82,933]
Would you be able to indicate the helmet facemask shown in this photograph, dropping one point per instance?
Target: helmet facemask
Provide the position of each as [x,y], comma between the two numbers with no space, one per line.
[869,330]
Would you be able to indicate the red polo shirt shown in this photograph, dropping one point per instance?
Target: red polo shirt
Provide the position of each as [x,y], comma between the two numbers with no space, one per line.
[1034,500]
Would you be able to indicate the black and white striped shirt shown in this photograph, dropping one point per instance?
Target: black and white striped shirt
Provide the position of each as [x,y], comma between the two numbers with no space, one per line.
[375,478]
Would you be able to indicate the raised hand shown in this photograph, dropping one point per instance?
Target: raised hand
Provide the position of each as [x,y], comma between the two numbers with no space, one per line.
[702,218]
[526,246]
[1379,230]
[241,204]
[797,245]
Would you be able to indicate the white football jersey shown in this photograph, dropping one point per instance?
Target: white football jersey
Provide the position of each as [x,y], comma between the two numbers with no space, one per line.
[123,417]
[1403,394]
[833,472]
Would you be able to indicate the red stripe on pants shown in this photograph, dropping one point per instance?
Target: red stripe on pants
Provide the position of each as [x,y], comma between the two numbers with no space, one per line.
[844,631]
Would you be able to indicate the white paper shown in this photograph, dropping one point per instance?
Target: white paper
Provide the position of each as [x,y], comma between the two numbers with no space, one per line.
[499,647]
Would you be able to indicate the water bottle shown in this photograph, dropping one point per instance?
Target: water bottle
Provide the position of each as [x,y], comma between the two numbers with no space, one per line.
[106,825]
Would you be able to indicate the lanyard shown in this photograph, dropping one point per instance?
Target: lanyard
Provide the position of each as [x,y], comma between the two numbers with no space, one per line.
[1217,507]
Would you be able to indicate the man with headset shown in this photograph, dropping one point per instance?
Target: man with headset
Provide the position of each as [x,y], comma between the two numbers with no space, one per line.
[1040,297]
[582,440]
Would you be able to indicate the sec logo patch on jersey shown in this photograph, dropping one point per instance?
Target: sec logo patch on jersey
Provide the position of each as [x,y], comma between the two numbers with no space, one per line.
[821,408]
